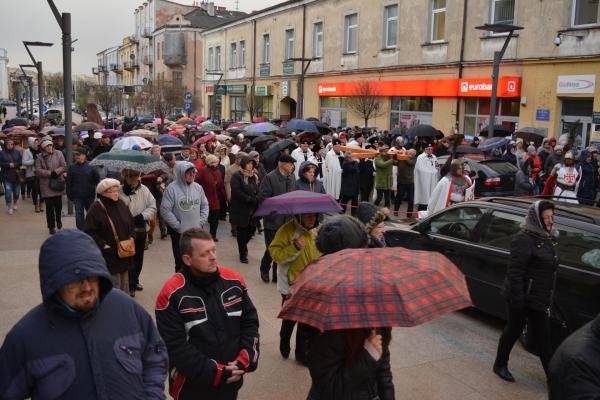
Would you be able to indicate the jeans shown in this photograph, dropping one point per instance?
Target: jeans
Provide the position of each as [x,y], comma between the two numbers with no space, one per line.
[81,208]
[265,263]
[138,260]
[175,248]
[53,212]
[539,326]
[408,190]
[11,189]
[349,199]
[383,194]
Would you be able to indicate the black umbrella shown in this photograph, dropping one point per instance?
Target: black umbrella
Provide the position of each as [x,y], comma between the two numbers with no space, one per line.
[310,136]
[398,132]
[499,130]
[323,128]
[263,139]
[535,135]
[312,119]
[465,149]
[277,147]
[423,130]
[492,143]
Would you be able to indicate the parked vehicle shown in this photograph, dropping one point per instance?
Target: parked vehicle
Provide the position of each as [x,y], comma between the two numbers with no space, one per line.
[53,115]
[142,119]
[493,177]
[8,103]
[476,236]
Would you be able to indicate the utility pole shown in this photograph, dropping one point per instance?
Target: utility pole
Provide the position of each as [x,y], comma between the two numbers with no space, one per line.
[300,104]
[40,71]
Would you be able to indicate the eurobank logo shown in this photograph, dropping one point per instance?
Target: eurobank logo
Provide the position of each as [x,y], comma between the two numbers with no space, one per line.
[327,89]
[464,87]
[512,86]
[474,86]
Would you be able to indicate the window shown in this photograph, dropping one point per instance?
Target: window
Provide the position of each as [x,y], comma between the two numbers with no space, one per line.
[218,58]
[391,26]
[318,40]
[333,111]
[242,53]
[407,112]
[351,33]
[578,248]
[477,114]
[289,44]
[438,21]
[237,107]
[585,12]
[177,78]
[502,12]
[266,108]
[211,59]
[500,229]
[458,223]
[266,49]
[233,58]
[158,52]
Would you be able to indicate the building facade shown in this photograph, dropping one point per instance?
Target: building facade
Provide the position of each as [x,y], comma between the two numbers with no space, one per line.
[424,59]
[3,74]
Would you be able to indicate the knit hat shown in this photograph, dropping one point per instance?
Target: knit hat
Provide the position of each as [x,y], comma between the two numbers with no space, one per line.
[284,158]
[371,215]
[106,184]
[253,153]
[531,149]
[47,142]
[341,232]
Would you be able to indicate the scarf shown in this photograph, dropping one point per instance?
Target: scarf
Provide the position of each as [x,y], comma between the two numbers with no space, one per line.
[248,174]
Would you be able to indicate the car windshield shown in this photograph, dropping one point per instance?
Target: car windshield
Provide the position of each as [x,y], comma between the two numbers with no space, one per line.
[457,222]
[499,167]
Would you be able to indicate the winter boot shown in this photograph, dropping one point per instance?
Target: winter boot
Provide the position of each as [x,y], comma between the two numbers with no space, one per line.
[37,208]
[10,209]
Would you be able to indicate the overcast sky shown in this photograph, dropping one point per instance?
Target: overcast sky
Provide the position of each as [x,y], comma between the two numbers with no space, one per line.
[97,24]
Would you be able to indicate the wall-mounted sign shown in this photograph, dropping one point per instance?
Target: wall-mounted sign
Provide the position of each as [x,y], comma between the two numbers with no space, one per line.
[265,69]
[286,87]
[209,89]
[221,89]
[542,114]
[574,84]
[236,89]
[596,117]
[262,90]
[288,67]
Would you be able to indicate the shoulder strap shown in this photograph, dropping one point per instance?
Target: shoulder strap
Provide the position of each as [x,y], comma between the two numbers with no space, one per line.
[110,221]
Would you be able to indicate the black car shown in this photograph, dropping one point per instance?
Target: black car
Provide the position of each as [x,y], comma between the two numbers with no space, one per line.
[142,119]
[53,115]
[476,236]
[493,177]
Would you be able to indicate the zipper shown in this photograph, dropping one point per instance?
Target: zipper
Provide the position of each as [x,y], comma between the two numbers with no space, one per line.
[126,349]
[529,285]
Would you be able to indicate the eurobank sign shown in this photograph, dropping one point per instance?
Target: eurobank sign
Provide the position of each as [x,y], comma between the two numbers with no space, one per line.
[508,86]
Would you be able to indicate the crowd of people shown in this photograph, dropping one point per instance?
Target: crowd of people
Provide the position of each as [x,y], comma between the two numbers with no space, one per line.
[206,336]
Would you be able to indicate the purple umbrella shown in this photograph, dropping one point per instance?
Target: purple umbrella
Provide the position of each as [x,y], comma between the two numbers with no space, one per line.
[298,202]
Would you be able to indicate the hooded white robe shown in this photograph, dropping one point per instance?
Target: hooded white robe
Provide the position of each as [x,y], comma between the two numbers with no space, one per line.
[332,174]
[426,176]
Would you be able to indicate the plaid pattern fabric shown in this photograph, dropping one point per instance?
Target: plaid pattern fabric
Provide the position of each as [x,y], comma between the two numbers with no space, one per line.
[365,288]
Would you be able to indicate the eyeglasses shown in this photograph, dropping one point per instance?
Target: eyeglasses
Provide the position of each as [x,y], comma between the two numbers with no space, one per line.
[112,190]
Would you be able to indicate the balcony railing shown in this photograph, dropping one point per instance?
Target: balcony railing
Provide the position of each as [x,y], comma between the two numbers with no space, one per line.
[128,65]
[113,67]
[147,60]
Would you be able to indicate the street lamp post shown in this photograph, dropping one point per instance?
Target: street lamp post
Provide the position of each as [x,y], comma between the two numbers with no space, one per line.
[497,28]
[40,71]
[29,95]
[300,104]
[215,88]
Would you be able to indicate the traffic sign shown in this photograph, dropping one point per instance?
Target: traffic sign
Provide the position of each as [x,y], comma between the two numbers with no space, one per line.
[187,107]
[188,96]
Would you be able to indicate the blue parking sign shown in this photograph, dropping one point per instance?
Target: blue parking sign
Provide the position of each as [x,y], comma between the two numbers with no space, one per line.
[187,107]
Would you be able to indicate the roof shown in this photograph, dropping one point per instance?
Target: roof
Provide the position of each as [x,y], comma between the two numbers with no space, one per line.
[200,18]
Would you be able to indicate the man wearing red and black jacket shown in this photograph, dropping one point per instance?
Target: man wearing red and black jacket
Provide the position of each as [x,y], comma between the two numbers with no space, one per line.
[209,324]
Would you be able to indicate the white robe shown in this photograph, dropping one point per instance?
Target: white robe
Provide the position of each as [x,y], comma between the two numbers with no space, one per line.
[567,176]
[426,176]
[442,195]
[298,155]
[332,174]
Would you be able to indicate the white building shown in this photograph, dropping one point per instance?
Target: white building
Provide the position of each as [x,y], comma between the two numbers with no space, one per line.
[3,74]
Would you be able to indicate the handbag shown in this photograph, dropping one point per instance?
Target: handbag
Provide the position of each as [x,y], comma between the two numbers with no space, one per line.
[125,248]
[56,184]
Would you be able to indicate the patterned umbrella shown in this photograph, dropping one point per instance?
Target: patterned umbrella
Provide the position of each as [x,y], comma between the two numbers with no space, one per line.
[199,120]
[145,133]
[130,159]
[129,142]
[208,126]
[298,202]
[204,139]
[87,126]
[368,288]
[21,133]
[111,132]
[183,119]
[169,141]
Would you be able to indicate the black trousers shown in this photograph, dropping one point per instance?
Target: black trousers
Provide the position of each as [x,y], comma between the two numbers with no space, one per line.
[539,326]
[138,260]
[365,193]
[383,194]
[344,200]
[53,212]
[244,234]
[405,190]
[267,262]
[213,222]
[175,248]
[286,331]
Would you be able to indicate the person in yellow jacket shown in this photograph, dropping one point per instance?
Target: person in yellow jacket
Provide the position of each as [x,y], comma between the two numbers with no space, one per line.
[293,248]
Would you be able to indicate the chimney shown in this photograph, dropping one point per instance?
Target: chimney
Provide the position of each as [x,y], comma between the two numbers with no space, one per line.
[210,9]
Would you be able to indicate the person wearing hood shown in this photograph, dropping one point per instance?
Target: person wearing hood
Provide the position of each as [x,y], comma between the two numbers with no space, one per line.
[332,169]
[86,340]
[350,188]
[50,165]
[555,158]
[142,206]
[308,178]
[184,206]
[384,175]
[293,248]
[109,221]
[567,176]
[529,286]
[544,151]
[510,154]
[373,218]
[475,142]
[10,164]
[29,187]
[211,180]
[349,363]
[575,366]
[82,180]
[537,172]
[426,176]
[523,183]
[520,152]
[588,184]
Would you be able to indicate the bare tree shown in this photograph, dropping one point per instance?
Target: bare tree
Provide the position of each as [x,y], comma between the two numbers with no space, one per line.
[366,102]
[54,84]
[254,104]
[103,94]
[162,97]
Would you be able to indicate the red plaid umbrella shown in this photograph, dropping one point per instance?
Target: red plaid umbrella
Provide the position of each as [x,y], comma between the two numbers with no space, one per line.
[366,288]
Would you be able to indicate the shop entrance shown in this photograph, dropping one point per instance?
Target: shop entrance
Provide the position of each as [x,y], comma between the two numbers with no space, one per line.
[287,108]
[576,122]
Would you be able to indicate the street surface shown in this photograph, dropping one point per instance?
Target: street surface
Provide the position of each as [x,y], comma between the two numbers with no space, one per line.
[449,358]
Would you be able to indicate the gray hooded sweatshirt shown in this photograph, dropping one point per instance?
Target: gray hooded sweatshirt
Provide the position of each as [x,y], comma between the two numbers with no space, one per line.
[184,206]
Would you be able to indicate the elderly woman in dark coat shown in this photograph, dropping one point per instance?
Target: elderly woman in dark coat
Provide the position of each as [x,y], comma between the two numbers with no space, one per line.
[244,202]
[308,178]
[50,165]
[97,224]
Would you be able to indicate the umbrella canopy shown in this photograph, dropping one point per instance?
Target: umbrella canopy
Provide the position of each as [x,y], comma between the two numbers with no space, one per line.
[204,139]
[222,138]
[129,142]
[323,128]
[145,133]
[302,125]
[199,120]
[298,202]
[499,130]
[277,147]
[168,141]
[183,119]
[208,126]
[528,134]
[239,124]
[262,127]
[310,136]
[14,128]
[110,132]
[368,288]
[465,149]
[263,139]
[187,123]
[422,130]
[130,159]
[157,121]
[22,133]
[492,143]
[18,122]
[87,126]
[58,131]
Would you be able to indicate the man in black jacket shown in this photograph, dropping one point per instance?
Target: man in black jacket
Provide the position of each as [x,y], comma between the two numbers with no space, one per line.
[575,367]
[208,322]
[82,179]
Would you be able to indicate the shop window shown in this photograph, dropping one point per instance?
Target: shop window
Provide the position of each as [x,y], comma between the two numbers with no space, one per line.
[502,12]
[318,40]
[351,33]
[408,111]
[438,21]
[391,26]
[585,12]
[266,111]
[289,44]
[477,114]
[333,111]
[237,108]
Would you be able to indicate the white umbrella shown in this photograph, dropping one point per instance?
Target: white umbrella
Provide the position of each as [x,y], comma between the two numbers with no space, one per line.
[129,142]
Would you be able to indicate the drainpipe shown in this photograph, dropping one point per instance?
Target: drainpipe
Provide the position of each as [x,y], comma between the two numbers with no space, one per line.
[300,104]
[195,33]
[461,59]
[253,65]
